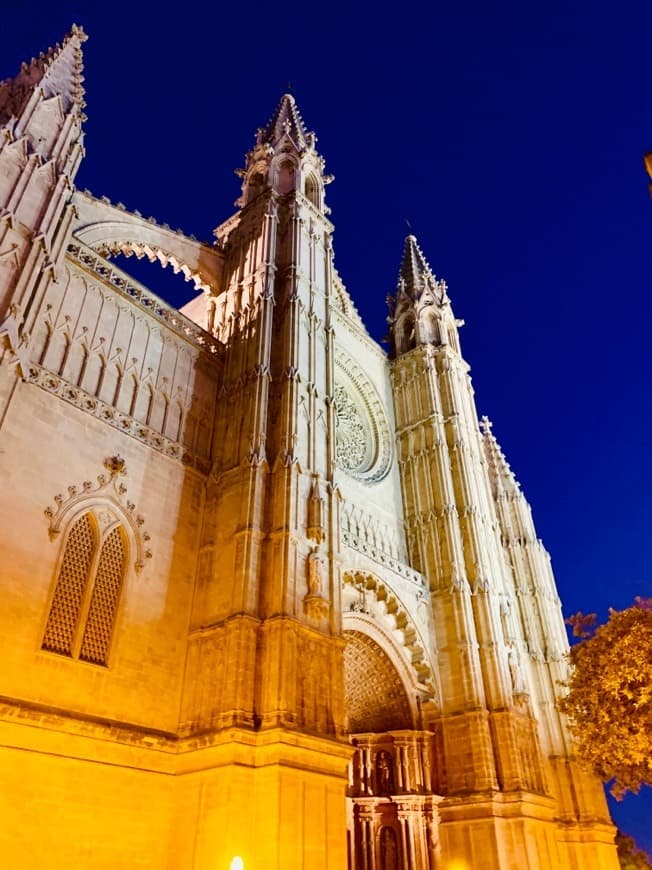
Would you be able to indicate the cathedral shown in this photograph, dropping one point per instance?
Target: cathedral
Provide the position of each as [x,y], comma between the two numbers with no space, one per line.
[272,596]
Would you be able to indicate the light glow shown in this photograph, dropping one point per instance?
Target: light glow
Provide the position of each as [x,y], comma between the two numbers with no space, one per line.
[237,863]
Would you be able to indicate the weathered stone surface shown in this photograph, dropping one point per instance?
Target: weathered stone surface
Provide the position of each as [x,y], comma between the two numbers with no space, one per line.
[243,547]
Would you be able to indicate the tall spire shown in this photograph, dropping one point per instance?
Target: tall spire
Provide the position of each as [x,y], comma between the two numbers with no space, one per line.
[419,310]
[284,160]
[58,71]
[416,278]
[286,121]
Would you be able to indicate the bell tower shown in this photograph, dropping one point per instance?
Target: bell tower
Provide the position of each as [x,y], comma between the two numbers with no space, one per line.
[266,650]
[460,526]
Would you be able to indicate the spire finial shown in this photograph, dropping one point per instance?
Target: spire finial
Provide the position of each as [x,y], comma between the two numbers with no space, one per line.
[57,71]
[287,120]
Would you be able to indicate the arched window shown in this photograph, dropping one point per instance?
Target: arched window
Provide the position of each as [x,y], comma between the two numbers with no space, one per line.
[312,190]
[85,603]
[285,176]
[405,333]
[429,327]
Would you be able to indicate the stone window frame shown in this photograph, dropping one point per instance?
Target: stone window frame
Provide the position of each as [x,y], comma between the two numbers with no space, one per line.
[102,531]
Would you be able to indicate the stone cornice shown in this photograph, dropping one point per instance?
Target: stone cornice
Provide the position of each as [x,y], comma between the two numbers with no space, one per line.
[125,286]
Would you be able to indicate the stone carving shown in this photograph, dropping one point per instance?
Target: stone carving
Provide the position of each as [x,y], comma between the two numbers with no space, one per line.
[315,604]
[372,590]
[363,437]
[350,437]
[388,849]
[384,773]
[182,325]
[315,527]
[115,465]
[108,500]
[109,414]
[516,671]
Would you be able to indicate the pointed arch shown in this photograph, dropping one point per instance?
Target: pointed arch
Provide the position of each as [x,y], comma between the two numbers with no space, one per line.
[312,190]
[107,585]
[72,579]
[101,536]
[429,331]
[285,170]
[405,333]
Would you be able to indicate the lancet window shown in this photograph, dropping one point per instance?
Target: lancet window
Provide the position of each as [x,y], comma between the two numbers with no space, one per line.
[82,615]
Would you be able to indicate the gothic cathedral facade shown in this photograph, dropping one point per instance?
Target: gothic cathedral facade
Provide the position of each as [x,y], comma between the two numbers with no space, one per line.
[272,597]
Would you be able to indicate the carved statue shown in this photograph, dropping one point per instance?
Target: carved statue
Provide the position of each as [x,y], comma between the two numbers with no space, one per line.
[388,849]
[314,572]
[516,671]
[314,602]
[385,773]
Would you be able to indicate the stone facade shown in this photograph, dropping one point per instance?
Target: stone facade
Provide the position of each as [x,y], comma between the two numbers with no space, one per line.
[268,591]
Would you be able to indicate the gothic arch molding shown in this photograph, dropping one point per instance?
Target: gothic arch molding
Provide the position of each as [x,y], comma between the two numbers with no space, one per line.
[377,698]
[370,607]
[106,497]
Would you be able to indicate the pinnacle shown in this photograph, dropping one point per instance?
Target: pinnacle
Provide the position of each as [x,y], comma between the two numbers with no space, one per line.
[415,274]
[57,71]
[286,119]
[500,471]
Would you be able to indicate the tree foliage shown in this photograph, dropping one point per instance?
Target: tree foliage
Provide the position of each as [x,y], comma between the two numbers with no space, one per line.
[629,855]
[609,700]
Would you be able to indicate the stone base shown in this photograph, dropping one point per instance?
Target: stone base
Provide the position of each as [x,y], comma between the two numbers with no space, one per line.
[519,830]
[100,797]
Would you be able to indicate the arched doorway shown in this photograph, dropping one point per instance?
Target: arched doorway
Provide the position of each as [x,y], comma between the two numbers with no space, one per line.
[392,803]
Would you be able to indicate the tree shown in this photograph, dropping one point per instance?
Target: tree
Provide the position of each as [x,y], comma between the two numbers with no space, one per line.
[629,855]
[609,700]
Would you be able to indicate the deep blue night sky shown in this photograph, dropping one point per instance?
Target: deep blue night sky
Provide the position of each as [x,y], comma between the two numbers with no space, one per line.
[510,135]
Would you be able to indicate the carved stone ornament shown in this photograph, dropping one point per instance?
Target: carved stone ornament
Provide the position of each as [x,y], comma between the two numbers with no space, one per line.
[351,440]
[314,604]
[108,502]
[363,441]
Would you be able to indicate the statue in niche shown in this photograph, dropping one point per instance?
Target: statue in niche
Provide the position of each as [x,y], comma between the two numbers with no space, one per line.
[314,603]
[314,572]
[388,849]
[516,671]
[384,773]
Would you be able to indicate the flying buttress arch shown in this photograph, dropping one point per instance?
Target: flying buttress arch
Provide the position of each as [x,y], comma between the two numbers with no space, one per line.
[110,229]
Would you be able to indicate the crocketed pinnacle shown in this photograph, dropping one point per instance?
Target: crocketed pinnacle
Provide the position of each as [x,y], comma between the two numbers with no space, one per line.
[503,479]
[416,278]
[58,71]
[286,120]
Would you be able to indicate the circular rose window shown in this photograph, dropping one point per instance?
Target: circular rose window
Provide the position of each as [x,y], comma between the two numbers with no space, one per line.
[362,442]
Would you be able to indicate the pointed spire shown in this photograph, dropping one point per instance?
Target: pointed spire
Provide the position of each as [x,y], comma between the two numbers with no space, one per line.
[58,71]
[420,311]
[416,276]
[503,479]
[286,120]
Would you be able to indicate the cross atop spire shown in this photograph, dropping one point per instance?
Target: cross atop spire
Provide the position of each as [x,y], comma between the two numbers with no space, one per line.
[286,120]
[58,71]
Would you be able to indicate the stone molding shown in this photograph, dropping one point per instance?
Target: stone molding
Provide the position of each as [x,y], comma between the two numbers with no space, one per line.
[362,395]
[130,289]
[399,623]
[51,383]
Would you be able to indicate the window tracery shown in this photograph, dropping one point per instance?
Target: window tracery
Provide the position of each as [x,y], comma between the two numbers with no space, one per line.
[101,533]
[83,612]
